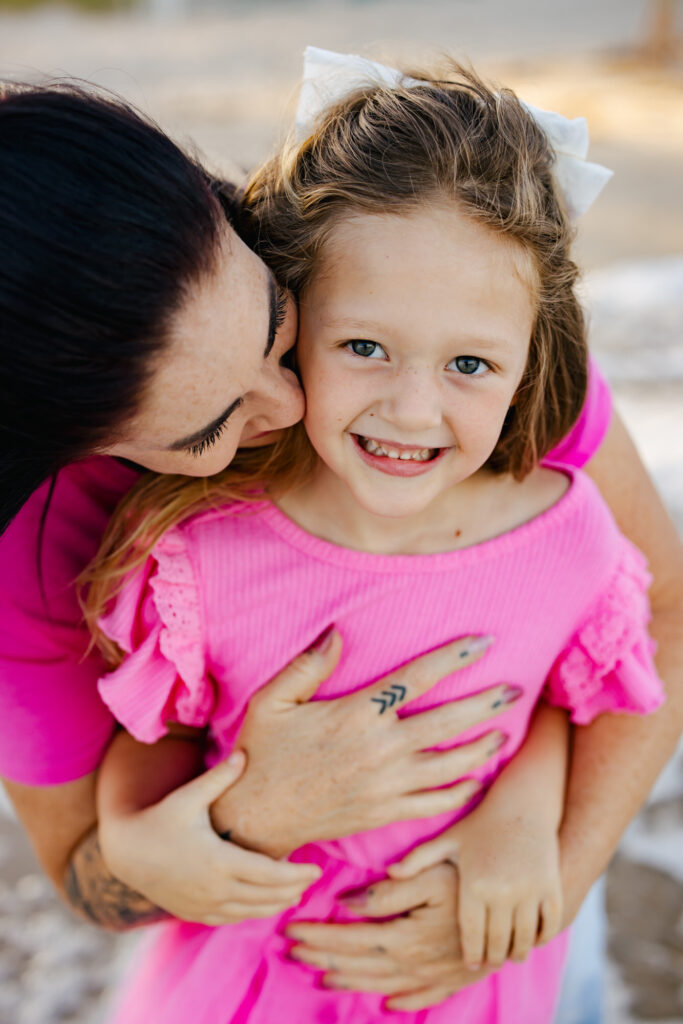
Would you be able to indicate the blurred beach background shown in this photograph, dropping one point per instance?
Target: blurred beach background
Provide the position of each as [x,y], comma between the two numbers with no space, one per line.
[221,77]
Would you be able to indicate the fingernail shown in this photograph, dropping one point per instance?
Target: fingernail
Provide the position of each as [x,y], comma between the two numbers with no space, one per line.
[508,696]
[322,643]
[355,898]
[476,645]
[499,740]
[473,967]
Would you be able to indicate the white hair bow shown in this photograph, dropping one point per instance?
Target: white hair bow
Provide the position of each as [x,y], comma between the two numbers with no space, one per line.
[328,77]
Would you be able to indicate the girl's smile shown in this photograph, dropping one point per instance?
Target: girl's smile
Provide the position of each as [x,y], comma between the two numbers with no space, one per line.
[396,459]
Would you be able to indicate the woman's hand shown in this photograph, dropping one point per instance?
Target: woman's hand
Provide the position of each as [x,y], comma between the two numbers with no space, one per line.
[415,959]
[325,769]
[166,850]
[507,851]
[510,893]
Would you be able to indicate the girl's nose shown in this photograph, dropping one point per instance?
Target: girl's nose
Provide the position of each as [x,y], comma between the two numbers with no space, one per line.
[413,402]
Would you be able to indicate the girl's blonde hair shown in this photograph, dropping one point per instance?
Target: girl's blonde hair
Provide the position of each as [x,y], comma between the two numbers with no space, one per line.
[380,151]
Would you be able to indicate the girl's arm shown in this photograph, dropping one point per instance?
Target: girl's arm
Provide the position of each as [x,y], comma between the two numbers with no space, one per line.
[614,761]
[61,820]
[508,894]
[210,880]
[507,851]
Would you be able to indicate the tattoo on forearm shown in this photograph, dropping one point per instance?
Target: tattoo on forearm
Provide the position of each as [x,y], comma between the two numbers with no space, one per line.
[94,891]
[394,695]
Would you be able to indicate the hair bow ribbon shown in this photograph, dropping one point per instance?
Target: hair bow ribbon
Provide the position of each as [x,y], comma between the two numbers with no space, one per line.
[329,76]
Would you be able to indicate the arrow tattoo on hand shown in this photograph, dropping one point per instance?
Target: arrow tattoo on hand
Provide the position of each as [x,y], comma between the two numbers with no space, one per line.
[395,694]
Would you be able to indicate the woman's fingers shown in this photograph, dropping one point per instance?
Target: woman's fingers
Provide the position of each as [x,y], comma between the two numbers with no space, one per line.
[421,674]
[418,1000]
[436,768]
[429,728]
[363,939]
[364,983]
[387,898]
[439,801]
[434,851]
[372,965]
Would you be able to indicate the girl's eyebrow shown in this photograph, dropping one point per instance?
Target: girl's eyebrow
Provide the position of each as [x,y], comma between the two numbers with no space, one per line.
[199,435]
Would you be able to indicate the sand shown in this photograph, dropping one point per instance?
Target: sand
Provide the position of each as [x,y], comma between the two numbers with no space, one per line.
[226,79]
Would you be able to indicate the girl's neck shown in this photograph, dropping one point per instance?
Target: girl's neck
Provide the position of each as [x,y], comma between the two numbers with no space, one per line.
[469,513]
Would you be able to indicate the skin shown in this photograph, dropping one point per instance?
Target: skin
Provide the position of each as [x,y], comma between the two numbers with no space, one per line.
[613,766]
[203,372]
[614,763]
[434,367]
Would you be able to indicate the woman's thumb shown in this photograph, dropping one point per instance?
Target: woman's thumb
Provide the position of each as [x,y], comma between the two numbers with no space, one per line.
[299,680]
[207,787]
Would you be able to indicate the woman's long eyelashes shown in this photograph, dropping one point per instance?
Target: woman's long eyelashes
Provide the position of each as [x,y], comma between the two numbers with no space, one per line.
[209,440]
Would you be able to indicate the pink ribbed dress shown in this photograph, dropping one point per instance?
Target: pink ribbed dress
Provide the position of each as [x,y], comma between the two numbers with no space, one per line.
[234,594]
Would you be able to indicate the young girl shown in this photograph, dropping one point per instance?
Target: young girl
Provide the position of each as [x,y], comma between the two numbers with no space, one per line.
[442,352]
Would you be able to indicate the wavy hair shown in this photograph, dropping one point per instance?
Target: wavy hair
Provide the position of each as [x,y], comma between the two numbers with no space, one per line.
[387,150]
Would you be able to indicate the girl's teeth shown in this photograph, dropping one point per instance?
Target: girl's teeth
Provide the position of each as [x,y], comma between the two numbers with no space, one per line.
[374,448]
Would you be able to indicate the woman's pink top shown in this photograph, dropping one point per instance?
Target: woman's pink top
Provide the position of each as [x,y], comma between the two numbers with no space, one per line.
[53,725]
[229,597]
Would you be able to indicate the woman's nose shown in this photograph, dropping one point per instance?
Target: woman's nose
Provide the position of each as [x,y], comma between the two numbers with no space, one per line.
[413,401]
[281,399]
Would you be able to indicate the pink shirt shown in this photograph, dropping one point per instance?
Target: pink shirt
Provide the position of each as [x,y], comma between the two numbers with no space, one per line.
[53,725]
[231,596]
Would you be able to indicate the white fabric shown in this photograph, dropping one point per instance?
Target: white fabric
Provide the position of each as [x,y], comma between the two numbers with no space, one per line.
[329,76]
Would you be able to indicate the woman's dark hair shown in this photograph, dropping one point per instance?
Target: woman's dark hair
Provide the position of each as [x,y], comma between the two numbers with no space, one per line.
[104,224]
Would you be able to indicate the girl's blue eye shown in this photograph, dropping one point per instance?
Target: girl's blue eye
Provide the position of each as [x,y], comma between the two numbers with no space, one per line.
[367,349]
[470,365]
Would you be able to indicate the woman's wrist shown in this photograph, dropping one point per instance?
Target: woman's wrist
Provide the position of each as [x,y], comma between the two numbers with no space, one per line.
[95,893]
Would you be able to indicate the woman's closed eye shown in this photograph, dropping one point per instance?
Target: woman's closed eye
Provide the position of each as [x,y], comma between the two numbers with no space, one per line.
[472,366]
[366,349]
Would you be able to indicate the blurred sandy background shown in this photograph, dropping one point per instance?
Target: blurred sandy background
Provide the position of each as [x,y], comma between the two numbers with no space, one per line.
[223,75]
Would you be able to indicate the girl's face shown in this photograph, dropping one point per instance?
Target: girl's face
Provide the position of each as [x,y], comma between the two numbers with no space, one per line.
[219,384]
[413,339]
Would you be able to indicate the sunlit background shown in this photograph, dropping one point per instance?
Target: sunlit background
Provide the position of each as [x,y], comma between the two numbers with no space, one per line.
[221,77]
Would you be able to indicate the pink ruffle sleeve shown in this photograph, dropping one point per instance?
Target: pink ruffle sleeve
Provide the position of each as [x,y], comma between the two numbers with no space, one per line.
[156,619]
[608,664]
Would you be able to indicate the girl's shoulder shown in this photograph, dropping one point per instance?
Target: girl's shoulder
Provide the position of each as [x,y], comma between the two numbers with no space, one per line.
[556,507]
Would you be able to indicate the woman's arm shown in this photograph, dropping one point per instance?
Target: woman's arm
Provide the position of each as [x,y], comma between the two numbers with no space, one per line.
[61,820]
[616,760]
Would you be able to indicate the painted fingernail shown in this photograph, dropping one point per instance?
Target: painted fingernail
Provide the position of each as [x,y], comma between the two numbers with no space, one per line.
[508,696]
[355,898]
[498,740]
[322,643]
[476,645]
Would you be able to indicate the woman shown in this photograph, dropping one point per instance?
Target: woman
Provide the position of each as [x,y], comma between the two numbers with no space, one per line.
[136,324]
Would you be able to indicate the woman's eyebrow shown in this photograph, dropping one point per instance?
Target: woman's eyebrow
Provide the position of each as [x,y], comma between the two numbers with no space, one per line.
[199,435]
